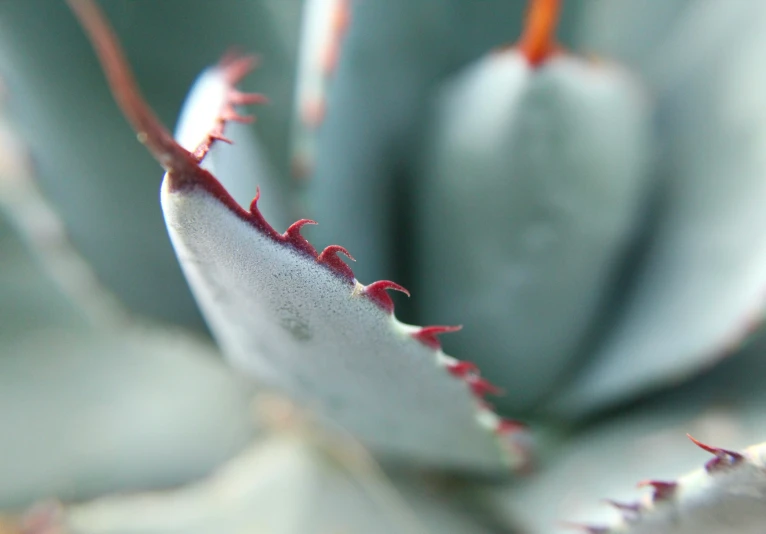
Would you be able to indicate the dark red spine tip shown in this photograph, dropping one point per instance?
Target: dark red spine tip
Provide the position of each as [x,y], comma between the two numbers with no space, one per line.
[428,335]
[510,426]
[329,257]
[662,490]
[462,369]
[481,386]
[723,458]
[293,236]
[377,292]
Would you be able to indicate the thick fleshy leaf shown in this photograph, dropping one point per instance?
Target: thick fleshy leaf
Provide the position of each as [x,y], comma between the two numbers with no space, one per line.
[630,31]
[724,408]
[700,288]
[533,189]
[84,413]
[284,484]
[324,26]
[393,56]
[298,320]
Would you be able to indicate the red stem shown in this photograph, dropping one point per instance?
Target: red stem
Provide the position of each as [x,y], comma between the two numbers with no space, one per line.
[150,130]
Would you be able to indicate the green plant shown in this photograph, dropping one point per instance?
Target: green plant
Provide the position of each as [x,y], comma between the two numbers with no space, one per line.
[534,181]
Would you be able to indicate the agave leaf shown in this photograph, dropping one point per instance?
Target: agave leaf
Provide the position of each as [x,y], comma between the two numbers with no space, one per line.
[33,298]
[298,320]
[630,31]
[533,189]
[700,289]
[324,26]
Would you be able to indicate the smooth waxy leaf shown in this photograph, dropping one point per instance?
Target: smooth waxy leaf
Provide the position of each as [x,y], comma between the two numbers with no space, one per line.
[533,189]
[699,291]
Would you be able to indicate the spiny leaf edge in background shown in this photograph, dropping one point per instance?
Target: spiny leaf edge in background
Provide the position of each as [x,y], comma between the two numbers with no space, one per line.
[729,486]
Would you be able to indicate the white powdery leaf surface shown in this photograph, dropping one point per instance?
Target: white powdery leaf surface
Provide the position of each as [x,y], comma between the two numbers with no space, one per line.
[701,288]
[301,324]
[297,320]
[533,190]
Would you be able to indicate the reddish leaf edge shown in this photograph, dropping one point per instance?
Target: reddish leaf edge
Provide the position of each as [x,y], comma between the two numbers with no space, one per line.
[185,173]
[662,490]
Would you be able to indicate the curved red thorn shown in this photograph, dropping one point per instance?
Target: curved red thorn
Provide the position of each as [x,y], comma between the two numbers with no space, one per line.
[723,458]
[428,335]
[293,236]
[256,218]
[235,66]
[220,137]
[173,158]
[481,386]
[662,490]
[376,292]
[238,98]
[461,369]
[233,70]
[295,228]
[510,426]
[230,114]
[329,256]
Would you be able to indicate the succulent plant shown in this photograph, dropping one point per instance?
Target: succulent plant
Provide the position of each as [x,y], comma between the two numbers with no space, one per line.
[594,224]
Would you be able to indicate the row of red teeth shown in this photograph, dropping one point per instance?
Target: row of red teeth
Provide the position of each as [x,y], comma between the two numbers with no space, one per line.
[665,490]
